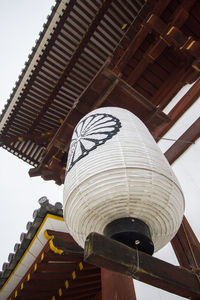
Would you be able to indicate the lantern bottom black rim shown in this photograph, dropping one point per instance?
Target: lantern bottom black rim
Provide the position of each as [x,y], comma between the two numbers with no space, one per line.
[131,232]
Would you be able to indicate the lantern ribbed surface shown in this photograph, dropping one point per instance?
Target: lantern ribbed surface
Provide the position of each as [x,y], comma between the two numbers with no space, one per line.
[115,169]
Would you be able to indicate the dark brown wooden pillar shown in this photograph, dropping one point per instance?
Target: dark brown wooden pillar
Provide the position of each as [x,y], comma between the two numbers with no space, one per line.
[186,247]
[116,286]
[98,296]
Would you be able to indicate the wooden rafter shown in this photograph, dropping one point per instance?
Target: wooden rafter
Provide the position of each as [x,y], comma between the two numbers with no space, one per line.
[47,97]
[41,138]
[169,36]
[73,60]
[106,88]
[59,271]
[155,79]
[138,39]
[42,58]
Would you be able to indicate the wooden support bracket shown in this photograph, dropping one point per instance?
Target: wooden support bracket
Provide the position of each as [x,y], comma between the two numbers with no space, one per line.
[122,259]
[187,247]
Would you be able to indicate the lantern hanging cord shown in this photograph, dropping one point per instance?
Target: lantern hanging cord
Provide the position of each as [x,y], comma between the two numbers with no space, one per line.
[195,270]
[174,140]
[128,27]
[137,263]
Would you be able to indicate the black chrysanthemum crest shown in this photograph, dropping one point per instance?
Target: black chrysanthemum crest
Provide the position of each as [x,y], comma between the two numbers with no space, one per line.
[89,133]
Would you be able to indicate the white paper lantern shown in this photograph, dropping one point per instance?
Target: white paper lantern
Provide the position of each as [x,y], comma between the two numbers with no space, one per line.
[116,170]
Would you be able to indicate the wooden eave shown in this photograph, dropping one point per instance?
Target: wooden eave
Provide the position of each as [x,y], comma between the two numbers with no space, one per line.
[71,58]
[40,216]
[154,48]
[59,272]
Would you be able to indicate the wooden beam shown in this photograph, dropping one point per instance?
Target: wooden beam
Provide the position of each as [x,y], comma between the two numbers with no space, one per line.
[171,34]
[65,242]
[33,296]
[74,286]
[98,296]
[84,294]
[106,87]
[186,247]
[102,10]
[42,277]
[122,259]
[39,139]
[132,48]
[169,87]
[56,267]
[116,286]
[48,296]
[184,142]
[179,109]
[84,282]
[163,29]
[87,290]
[105,94]
[149,56]
[131,33]
[62,137]
[89,273]
[30,272]
[139,37]
[42,59]
[124,96]
[51,269]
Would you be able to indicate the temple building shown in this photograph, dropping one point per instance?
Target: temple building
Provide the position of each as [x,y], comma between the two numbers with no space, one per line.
[140,55]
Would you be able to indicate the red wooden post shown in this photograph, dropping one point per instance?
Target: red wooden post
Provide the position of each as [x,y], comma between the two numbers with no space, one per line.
[116,286]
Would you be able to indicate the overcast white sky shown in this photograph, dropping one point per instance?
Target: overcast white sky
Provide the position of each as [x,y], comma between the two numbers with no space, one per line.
[20,23]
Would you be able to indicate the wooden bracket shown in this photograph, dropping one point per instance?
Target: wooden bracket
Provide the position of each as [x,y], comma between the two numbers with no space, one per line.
[122,259]
[186,245]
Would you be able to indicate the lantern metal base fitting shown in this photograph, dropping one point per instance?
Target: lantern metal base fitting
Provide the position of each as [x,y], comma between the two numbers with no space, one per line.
[131,232]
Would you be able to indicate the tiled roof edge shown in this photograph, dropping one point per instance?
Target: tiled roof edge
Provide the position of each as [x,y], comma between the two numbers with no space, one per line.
[26,238]
[30,56]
